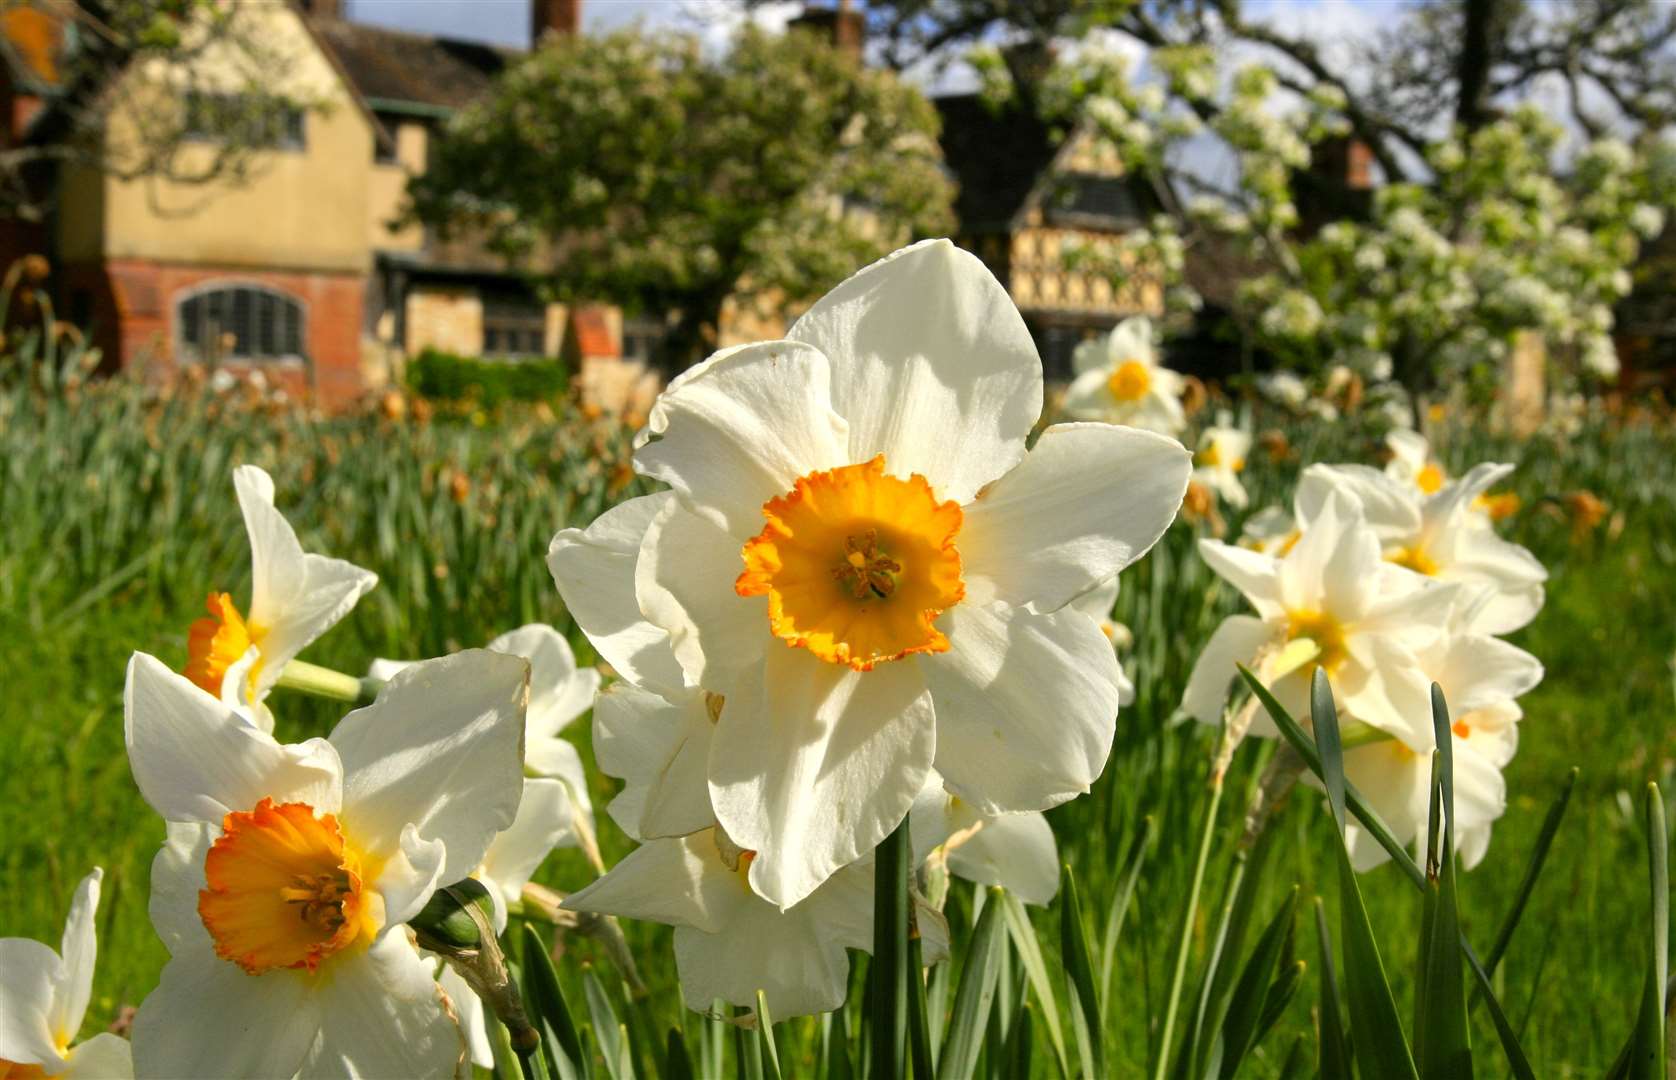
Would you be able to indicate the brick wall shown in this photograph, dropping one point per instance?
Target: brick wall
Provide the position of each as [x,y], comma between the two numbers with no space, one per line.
[133,309]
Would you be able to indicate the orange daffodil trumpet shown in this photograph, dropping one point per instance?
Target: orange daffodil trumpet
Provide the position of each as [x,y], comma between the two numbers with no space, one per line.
[46,996]
[289,869]
[1119,380]
[295,597]
[861,561]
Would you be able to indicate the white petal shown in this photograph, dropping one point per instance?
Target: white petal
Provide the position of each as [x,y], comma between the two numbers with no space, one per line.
[594,571]
[1236,641]
[295,597]
[31,972]
[1477,671]
[79,952]
[195,760]
[660,749]
[1088,399]
[543,823]
[103,1057]
[796,958]
[1394,780]
[1390,508]
[177,876]
[1014,851]
[816,764]
[384,670]
[1391,693]
[559,760]
[1255,575]
[1026,705]
[239,691]
[685,583]
[1334,567]
[932,366]
[381,1016]
[740,428]
[409,876]
[441,749]
[1088,500]
[681,882]
[1097,603]
[559,692]
[207,1018]
[474,1020]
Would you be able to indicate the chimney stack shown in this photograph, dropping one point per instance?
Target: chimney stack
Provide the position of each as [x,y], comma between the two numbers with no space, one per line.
[563,17]
[844,27]
[323,9]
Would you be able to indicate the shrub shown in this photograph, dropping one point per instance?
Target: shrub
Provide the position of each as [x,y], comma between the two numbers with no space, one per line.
[450,377]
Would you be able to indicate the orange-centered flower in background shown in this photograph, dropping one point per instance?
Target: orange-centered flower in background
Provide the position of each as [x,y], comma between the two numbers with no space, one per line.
[857,565]
[1130,382]
[215,643]
[283,890]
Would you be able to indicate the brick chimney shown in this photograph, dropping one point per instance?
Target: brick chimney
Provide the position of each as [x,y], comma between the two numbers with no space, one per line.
[844,27]
[323,9]
[562,17]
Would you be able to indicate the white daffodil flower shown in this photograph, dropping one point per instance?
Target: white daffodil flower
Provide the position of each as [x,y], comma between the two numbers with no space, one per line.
[559,693]
[1481,677]
[1443,536]
[906,566]
[1014,851]
[46,996]
[1221,459]
[1412,464]
[287,867]
[1097,603]
[730,943]
[1330,602]
[1119,380]
[294,598]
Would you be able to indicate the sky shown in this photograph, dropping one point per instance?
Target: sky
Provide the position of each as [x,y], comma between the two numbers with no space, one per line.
[506,22]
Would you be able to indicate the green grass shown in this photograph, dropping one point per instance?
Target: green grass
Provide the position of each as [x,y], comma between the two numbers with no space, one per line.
[119,517]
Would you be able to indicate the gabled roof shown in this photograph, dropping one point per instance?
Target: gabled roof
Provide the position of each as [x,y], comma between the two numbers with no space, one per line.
[391,69]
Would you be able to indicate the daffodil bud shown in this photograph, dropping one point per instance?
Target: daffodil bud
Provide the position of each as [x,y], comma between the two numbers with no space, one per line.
[457,917]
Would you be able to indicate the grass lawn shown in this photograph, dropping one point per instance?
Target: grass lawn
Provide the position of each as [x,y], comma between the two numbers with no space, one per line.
[119,519]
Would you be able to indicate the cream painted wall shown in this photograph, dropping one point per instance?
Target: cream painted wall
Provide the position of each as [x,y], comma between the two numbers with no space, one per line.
[303,209]
[389,187]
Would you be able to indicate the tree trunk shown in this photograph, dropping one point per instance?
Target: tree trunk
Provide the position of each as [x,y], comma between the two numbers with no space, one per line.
[1477,56]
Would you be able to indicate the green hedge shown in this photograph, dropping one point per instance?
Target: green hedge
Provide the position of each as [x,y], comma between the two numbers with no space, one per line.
[447,376]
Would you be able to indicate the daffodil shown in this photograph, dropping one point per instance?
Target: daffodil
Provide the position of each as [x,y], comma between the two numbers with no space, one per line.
[1412,464]
[1331,602]
[46,996]
[1220,460]
[1443,536]
[1120,381]
[1014,851]
[861,560]
[295,597]
[1481,677]
[730,943]
[289,869]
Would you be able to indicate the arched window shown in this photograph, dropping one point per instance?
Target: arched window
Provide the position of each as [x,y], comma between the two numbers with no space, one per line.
[240,322]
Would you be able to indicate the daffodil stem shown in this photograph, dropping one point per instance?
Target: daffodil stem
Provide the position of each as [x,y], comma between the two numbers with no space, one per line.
[1184,945]
[323,682]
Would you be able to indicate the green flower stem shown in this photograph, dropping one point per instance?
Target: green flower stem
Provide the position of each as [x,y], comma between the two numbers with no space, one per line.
[1184,945]
[323,682]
